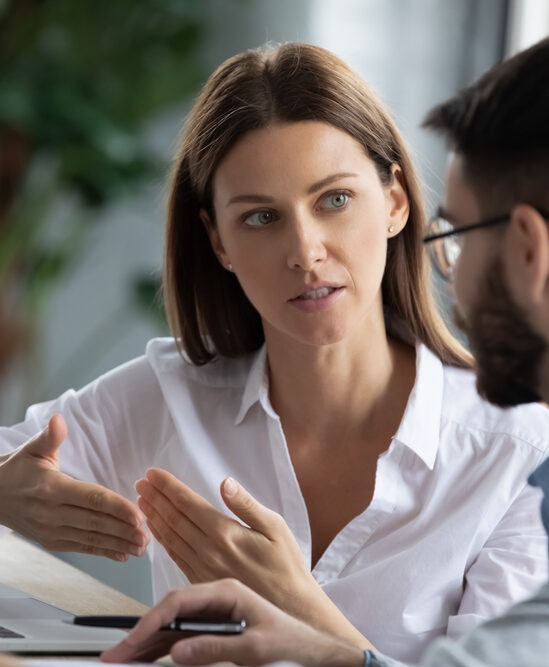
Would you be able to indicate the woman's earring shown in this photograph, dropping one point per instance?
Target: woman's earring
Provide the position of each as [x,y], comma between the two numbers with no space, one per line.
[391,229]
[229,267]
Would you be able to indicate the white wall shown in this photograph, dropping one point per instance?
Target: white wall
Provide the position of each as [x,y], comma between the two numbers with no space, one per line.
[528,22]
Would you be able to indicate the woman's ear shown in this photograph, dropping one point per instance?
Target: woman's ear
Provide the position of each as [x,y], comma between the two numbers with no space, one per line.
[526,253]
[399,205]
[215,239]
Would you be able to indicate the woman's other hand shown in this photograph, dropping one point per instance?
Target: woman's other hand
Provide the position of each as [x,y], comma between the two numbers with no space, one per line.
[207,545]
[61,513]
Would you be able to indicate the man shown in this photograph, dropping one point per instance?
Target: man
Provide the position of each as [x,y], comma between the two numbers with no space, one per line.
[496,220]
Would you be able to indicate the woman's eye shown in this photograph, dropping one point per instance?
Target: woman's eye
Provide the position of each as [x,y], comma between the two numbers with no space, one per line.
[259,218]
[336,200]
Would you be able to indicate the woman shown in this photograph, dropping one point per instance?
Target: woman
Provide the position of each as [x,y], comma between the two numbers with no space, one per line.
[316,372]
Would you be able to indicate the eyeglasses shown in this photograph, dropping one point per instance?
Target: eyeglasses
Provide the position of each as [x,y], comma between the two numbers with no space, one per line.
[445,245]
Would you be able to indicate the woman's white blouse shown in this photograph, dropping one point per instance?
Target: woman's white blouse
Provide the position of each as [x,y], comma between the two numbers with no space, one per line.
[452,535]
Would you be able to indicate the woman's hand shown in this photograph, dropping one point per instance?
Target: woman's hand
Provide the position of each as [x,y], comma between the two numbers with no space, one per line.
[61,513]
[263,554]
[209,545]
[271,635]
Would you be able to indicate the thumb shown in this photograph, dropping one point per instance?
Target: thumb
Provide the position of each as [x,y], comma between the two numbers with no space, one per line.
[247,508]
[46,443]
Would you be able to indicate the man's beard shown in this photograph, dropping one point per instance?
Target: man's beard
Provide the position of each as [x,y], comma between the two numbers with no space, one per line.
[508,352]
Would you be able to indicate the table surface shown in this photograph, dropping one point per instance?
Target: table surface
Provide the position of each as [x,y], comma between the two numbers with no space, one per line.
[48,578]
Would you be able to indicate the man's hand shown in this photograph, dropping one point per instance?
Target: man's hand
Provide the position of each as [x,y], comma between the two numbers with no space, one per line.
[61,513]
[271,635]
[9,661]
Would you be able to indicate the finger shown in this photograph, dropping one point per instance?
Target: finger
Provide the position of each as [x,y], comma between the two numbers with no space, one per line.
[208,649]
[91,496]
[179,550]
[46,443]
[77,519]
[162,510]
[185,560]
[101,500]
[174,506]
[150,650]
[9,661]
[172,526]
[193,601]
[96,540]
[156,647]
[232,599]
[50,519]
[192,504]
[248,509]
[175,530]
[78,547]
[62,528]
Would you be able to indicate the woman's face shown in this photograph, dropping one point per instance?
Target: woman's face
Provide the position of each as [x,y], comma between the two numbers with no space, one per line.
[302,217]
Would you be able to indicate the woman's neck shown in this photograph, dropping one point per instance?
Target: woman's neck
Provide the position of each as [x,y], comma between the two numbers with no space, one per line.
[325,392]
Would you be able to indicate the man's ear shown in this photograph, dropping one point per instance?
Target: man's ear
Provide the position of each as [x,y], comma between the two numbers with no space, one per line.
[215,239]
[399,205]
[527,255]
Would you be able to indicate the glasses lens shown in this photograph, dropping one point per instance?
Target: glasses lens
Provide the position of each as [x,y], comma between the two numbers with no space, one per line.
[445,250]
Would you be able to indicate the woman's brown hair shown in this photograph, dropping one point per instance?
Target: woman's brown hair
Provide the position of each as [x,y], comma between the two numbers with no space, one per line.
[208,312]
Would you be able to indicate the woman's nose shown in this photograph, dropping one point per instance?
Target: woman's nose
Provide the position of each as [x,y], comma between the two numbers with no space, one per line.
[306,245]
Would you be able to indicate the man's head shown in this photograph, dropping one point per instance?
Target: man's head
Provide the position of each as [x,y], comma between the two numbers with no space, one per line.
[498,133]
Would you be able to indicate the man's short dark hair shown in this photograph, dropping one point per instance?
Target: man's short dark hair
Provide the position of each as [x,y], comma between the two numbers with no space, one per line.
[500,126]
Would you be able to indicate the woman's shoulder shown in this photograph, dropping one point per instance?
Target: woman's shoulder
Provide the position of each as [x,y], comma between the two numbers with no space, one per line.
[163,365]
[463,405]
[166,360]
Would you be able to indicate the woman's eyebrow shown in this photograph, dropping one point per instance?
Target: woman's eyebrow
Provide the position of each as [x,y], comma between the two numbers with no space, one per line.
[265,199]
[251,198]
[315,187]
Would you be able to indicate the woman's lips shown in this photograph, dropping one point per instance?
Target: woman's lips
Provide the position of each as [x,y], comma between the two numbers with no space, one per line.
[317,293]
[317,299]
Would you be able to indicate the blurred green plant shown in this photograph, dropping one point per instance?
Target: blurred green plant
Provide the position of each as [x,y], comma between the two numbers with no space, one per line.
[79,81]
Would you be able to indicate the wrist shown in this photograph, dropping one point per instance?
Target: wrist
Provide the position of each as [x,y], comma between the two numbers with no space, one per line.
[337,653]
[329,618]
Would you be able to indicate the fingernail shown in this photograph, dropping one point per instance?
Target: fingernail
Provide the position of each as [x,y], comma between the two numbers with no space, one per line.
[230,486]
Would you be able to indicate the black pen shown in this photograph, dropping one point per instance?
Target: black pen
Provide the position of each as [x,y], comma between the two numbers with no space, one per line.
[179,624]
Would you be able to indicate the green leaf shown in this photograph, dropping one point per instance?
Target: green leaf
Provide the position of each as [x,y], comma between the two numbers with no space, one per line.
[80,80]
